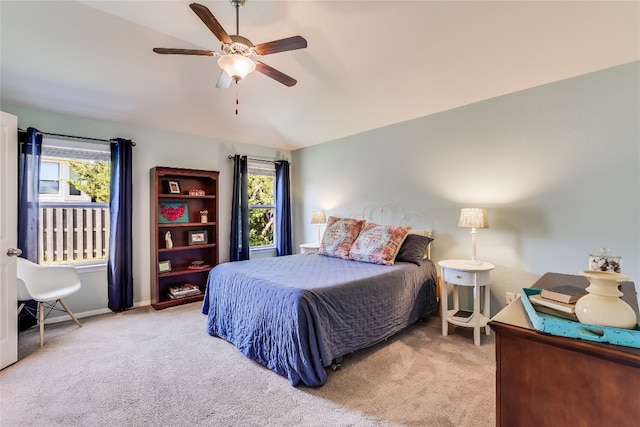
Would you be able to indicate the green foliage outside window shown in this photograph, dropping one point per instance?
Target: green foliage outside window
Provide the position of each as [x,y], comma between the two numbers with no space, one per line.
[261,210]
[92,178]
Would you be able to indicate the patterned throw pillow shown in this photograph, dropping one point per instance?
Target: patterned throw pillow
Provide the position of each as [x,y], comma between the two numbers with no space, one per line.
[339,236]
[378,244]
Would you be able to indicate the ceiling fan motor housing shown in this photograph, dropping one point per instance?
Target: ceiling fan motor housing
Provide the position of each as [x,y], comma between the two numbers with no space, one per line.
[241,45]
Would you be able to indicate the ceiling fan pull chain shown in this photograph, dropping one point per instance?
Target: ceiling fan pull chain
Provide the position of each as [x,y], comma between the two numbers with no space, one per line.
[237,101]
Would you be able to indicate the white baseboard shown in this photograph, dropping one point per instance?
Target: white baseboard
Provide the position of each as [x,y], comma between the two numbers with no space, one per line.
[66,317]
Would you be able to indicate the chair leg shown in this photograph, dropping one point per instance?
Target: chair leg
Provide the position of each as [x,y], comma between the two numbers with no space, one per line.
[41,316]
[73,316]
[21,307]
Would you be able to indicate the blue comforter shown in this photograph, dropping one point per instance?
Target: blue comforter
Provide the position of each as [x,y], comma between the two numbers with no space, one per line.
[295,314]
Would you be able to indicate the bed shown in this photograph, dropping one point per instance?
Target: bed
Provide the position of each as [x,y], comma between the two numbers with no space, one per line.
[297,314]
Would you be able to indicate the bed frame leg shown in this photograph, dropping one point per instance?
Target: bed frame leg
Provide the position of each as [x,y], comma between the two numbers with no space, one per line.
[336,363]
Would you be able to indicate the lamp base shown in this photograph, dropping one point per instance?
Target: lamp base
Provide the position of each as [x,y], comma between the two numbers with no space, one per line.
[474,262]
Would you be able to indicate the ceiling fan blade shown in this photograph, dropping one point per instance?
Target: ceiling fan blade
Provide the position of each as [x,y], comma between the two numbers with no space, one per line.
[211,22]
[275,74]
[169,51]
[224,81]
[282,45]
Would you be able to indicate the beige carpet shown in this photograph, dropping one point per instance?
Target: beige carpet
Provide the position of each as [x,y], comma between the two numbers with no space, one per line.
[161,368]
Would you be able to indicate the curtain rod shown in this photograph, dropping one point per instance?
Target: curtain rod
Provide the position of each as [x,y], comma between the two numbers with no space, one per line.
[109,141]
[230,157]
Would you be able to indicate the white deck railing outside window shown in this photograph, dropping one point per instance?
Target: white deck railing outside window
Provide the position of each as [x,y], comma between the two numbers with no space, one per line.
[71,233]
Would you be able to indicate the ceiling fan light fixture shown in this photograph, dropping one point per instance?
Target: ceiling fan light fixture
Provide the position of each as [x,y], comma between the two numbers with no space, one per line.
[237,66]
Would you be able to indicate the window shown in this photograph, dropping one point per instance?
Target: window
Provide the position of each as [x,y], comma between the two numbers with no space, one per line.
[73,176]
[49,177]
[262,207]
[74,197]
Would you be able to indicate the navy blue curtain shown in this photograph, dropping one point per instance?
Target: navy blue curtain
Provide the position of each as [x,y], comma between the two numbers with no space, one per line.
[239,247]
[29,151]
[283,209]
[120,264]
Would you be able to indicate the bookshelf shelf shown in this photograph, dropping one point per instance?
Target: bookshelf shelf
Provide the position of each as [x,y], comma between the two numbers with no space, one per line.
[187,248]
[186,224]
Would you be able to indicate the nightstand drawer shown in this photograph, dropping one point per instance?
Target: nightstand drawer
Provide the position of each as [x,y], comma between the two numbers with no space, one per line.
[458,277]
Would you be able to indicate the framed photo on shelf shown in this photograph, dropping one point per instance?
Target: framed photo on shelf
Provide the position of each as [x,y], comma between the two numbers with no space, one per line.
[173,212]
[199,237]
[164,266]
[172,186]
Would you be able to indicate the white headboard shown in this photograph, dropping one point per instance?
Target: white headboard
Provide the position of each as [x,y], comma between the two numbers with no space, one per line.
[391,214]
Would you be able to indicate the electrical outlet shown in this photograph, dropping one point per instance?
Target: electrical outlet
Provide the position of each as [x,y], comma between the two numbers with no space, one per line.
[511,297]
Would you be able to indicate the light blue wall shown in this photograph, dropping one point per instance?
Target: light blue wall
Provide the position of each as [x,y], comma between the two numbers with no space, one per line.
[557,167]
[154,147]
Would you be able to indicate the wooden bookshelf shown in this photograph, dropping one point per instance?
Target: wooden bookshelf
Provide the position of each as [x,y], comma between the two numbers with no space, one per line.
[178,196]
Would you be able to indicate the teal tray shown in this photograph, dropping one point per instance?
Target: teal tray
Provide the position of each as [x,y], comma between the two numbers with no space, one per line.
[567,328]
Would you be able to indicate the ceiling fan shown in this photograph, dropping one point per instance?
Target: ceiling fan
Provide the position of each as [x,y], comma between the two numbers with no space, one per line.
[236,60]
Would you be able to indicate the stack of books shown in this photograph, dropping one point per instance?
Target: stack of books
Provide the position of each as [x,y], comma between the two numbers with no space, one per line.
[558,301]
[184,291]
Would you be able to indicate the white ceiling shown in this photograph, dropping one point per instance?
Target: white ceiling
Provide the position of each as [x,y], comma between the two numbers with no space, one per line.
[368,63]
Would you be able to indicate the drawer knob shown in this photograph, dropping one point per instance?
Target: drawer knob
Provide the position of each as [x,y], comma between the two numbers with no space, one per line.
[458,277]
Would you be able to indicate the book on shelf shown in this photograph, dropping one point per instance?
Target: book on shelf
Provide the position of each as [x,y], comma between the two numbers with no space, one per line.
[181,296]
[462,315]
[182,291]
[564,293]
[538,299]
[554,312]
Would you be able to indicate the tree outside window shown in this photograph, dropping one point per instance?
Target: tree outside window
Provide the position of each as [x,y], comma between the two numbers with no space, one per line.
[262,209]
[91,178]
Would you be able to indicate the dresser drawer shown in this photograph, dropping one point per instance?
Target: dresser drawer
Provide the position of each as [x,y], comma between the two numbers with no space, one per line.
[458,277]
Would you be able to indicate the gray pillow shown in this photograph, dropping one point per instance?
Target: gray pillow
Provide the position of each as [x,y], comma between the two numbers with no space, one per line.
[414,248]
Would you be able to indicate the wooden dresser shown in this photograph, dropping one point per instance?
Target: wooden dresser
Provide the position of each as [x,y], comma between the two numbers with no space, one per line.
[546,380]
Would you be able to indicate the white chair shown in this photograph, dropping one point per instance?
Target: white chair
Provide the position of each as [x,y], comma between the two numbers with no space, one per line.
[46,284]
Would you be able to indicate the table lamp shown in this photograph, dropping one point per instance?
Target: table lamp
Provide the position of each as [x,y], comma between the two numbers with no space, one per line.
[318,217]
[473,218]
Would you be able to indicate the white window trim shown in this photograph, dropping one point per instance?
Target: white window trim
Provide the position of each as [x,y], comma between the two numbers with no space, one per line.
[89,267]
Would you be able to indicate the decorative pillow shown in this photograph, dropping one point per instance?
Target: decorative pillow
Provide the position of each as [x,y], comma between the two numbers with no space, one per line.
[378,244]
[339,236]
[414,248]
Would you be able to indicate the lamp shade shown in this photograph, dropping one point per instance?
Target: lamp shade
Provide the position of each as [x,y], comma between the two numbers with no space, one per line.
[236,65]
[473,218]
[318,217]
